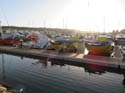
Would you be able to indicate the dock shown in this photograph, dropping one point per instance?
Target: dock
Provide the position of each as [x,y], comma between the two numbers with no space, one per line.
[114,62]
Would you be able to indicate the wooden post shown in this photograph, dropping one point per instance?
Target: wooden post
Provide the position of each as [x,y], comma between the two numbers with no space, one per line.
[21,43]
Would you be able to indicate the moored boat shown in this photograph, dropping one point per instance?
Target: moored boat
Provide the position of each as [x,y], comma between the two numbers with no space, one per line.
[36,40]
[12,39]
[66,44]
[9,38]
[120,39]
[99,47]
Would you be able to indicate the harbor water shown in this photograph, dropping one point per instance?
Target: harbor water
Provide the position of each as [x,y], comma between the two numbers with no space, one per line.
[56,76]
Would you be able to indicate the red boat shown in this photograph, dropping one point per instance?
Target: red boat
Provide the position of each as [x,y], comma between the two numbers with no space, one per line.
[11,39]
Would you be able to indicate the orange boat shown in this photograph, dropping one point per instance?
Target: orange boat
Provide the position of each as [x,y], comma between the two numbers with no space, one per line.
[99,48]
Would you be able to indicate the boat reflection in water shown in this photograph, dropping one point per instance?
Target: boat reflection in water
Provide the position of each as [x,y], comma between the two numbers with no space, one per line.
[96,69]
[49,76]
[89,67]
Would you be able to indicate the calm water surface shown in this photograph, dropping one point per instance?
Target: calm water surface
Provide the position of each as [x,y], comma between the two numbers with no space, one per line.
[41,76]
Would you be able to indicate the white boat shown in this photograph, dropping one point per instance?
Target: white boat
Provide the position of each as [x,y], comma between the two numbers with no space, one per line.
[37,40]
[120,39]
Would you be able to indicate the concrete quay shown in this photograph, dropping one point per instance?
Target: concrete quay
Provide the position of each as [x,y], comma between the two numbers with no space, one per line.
[113,62]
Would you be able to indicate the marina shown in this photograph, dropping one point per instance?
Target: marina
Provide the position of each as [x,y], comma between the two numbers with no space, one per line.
[62,46]
[96,55]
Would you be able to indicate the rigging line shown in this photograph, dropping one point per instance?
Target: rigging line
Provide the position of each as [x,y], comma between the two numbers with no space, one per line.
[5,17]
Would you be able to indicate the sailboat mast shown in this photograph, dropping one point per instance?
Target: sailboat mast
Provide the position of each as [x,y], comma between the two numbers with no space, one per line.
[0,30]
[0,27]
[63,24]
[104,24]
[44,23]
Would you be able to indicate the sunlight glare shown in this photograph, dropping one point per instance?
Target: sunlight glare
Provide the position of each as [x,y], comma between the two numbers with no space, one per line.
[78,14]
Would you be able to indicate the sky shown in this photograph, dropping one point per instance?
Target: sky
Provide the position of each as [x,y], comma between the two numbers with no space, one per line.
[85,15]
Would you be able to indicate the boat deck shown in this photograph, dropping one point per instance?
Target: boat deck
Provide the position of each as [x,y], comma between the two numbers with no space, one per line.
[115,62]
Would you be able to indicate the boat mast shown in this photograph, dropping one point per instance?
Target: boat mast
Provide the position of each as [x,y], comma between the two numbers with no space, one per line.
[0,27]
[104,25]
[0,30]
[44,25]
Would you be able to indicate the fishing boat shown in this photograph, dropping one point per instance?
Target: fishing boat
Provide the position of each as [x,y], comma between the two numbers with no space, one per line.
[99,47]
[9,38]
[120,39]
[36,40]
[110,37]
[64,44]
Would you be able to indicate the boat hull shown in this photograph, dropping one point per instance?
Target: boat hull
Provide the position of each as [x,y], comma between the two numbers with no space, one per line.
[99,50]
[9,41]
[68,47]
